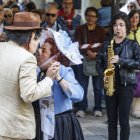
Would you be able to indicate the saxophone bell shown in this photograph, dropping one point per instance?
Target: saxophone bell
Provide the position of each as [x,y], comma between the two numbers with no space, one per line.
[109,72]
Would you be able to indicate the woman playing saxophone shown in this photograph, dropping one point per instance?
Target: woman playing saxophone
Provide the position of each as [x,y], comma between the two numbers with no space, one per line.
[126,60]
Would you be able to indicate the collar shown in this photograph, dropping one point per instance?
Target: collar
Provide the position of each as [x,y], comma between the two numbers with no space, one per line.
[70,16]
[13,43]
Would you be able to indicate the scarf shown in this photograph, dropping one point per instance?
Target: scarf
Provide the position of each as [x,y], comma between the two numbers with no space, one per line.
[67,18]
[70,16]
[47,115]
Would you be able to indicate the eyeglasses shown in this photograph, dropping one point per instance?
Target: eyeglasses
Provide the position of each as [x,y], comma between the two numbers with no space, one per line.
[91,16]
[49,14]
[7,16]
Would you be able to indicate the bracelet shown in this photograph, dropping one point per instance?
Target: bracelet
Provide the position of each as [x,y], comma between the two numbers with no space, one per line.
[60,80]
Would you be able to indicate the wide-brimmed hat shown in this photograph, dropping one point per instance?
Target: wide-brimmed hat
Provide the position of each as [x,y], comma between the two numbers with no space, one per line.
[25,21]
[64,45]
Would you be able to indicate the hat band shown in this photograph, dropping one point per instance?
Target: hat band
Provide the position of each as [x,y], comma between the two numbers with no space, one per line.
[26,24]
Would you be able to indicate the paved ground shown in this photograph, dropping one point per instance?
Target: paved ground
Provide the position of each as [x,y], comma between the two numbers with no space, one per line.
[95,128]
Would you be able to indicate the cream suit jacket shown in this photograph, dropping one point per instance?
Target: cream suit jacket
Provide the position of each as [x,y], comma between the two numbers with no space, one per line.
[18,88]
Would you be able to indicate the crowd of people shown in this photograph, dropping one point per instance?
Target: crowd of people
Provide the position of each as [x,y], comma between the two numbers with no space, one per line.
[47,57]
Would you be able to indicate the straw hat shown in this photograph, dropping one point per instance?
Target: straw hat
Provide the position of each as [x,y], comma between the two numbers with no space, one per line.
[25,21]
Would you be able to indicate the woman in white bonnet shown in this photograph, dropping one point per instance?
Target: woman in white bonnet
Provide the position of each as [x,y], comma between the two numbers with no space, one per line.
[58,122]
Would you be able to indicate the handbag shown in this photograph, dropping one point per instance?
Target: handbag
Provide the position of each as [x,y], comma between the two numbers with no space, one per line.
[137,88]
[89,67]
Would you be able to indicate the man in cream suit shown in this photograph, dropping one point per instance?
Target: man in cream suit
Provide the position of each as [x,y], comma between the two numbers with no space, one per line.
[18,80]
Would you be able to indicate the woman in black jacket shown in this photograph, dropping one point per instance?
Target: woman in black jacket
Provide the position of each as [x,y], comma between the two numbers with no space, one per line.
[126,60]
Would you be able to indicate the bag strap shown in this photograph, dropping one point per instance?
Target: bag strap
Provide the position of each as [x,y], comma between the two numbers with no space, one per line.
[85,34]
[134,32]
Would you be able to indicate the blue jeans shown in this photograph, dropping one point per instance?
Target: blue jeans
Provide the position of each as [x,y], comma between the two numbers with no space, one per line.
[97,89]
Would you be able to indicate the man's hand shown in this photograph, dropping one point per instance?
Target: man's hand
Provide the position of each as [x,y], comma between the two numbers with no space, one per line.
[33,44]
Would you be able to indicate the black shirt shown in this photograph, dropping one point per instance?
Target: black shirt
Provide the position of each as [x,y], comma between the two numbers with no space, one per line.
[117,50]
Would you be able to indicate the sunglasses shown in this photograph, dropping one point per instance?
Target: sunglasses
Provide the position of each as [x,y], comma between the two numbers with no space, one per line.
[7,16]
[52,15]
[130,6]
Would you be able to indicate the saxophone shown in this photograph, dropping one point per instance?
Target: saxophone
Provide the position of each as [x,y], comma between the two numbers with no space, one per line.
[109,73]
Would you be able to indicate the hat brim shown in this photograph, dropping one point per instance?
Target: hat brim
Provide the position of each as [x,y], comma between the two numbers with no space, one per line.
[22,28]
[69,55]
[59,40]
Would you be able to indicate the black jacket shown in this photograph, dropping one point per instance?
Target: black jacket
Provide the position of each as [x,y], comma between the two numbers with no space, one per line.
[129,60]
